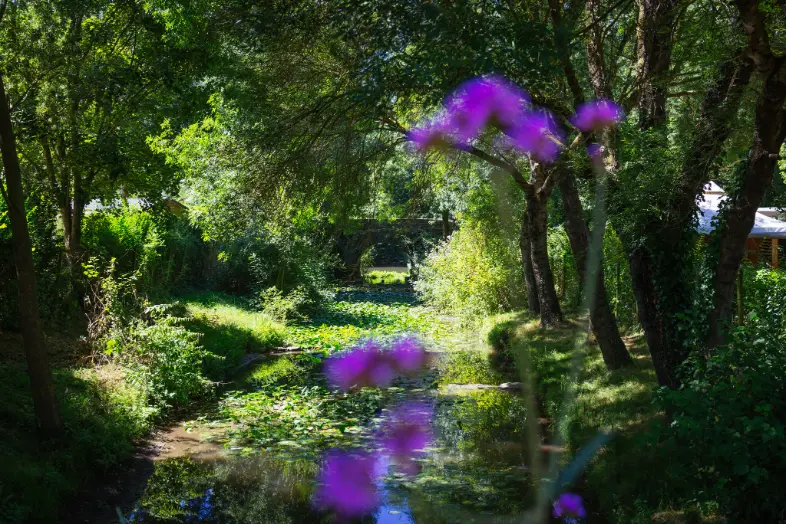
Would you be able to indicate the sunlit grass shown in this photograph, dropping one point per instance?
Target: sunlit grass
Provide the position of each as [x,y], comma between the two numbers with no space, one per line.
[383,277]
[578,395]
[223,316]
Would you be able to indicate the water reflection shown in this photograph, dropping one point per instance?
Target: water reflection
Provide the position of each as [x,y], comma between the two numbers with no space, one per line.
[474,471]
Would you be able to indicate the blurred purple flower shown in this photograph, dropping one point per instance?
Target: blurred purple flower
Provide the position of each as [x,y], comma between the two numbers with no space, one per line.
[538,135]
[406,433]
[346,484]
[369,365]
[596,115]
[483,101]
[364,365]
[594,150]
[433,134]
[569,505]
[408,354]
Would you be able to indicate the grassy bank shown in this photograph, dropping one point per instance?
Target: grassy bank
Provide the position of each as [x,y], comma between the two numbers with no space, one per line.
[631,479]
[110,402]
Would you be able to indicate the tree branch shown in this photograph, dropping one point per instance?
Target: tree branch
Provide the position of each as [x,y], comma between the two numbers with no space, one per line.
[504,165]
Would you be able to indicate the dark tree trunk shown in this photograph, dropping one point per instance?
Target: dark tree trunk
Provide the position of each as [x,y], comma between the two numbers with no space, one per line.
[768,136]
[533,303]
[445,224]
[537,215]
[41,384]
[604,325]
[656,24]
[666,356]
[602,322]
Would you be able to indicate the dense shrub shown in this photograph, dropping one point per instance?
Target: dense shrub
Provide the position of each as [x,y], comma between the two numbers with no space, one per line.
[729,421]
[162,249]
[764,295]
[167,360]
[55,301]
[477,271]
[500,337]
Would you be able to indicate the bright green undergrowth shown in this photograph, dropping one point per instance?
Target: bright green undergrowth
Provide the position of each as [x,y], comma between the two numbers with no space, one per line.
[360,314]
[379,277]
[229,322]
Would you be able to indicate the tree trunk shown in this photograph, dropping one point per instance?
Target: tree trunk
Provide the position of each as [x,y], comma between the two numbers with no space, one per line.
[604,325]
[768,136]
[533,302]
[537,215]
[666,357]
[41,384]
[445,224]
[656,24]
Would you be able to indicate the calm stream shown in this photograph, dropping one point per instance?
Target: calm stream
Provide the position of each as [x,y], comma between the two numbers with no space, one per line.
[261,449]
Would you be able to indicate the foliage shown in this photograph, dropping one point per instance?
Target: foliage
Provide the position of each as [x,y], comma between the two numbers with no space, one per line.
[478,270]
[468,367]
[619,288]
[361,314]
[300,420]
[563,266]
[230,329]
[162,249]
[51,271]
[167,360]
[730,418]
[379,277]
[103,413]
[248,490]
[279,241]
[764,296]
[279,306]
[500,337]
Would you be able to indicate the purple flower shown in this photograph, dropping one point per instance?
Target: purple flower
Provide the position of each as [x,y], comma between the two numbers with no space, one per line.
[569,505]
[369,365]
[346,484]
[408,354]
[596,115]
[432,134]
[594,151]
[406,433]
[485,101]
[538,135]
[364,365]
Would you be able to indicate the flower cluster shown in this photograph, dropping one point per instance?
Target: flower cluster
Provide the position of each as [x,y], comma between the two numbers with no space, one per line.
[406,433]
[597,115]
[369,364]
[495,102]
[569,507]
[347,482]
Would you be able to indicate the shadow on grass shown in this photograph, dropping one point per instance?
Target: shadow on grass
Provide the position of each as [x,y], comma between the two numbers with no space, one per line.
[39,478]
[633,475]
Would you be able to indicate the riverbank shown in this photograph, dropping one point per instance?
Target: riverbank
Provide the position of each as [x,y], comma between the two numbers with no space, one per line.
[249,452]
